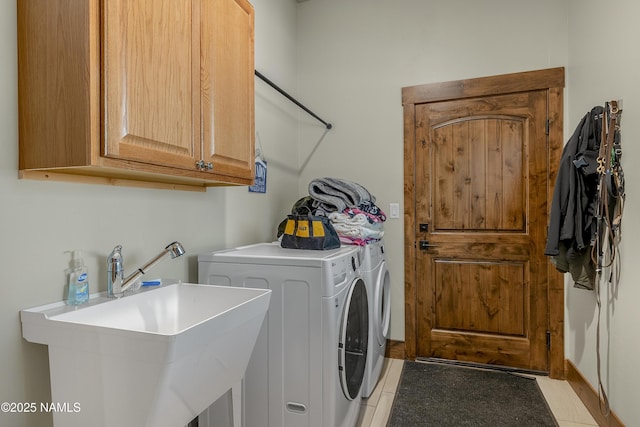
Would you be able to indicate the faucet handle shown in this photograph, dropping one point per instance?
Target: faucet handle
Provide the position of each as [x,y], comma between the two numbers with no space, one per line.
[115,272]
[115,260]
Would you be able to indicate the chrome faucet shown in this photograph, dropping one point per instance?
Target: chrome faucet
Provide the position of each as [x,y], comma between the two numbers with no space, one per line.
[117,284]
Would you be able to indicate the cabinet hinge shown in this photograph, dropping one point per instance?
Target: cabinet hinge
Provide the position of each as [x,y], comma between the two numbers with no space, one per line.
[546,127]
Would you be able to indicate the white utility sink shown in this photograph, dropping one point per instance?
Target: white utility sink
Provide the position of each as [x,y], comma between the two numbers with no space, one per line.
[156,358]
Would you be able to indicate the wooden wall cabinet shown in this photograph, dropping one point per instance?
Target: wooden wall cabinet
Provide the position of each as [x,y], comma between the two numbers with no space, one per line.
[137,92]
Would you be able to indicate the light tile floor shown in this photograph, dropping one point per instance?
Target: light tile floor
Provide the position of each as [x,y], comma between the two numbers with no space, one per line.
[567,408]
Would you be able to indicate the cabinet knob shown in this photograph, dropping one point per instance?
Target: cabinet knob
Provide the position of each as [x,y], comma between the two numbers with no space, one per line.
[201,165]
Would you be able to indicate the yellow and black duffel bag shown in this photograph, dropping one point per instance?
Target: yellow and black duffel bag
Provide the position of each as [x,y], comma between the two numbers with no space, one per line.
[309,232]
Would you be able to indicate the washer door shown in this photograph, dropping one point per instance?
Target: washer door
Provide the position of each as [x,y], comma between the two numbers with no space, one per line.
[382,304]
[354,336]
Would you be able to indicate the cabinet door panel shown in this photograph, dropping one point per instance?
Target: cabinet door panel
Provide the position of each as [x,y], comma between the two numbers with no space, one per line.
[227,86]
[148,80]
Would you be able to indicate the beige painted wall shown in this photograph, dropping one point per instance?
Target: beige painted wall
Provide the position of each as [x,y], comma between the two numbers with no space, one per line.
[603,64]
[355,56]
[346,60]
[41,220]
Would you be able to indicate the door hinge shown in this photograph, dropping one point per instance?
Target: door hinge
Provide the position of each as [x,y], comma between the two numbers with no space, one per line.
[548,340]
[546,127]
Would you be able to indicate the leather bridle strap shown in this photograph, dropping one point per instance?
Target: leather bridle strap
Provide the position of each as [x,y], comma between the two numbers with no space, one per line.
[609,175]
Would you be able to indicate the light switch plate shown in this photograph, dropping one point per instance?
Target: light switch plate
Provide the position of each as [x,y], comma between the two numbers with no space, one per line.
[394,210]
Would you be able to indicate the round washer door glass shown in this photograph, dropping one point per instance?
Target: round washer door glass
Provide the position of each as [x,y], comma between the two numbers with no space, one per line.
[383,305]
[354,336]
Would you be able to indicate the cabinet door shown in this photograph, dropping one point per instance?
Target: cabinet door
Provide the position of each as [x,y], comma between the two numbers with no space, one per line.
[151,81]
[227,86]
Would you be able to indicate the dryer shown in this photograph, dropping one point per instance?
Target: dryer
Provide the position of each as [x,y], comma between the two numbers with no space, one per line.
[309,361]
[377,280]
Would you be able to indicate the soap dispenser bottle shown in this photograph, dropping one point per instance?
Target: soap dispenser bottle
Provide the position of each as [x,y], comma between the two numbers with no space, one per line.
[78,280]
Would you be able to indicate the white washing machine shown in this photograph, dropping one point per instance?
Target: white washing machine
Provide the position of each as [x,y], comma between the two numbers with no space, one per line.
[377,280]
[309,360]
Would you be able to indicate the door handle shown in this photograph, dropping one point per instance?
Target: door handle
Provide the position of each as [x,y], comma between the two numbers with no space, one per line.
[424,245]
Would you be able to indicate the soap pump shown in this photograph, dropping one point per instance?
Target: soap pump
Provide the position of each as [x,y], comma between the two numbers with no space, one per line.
[78,292]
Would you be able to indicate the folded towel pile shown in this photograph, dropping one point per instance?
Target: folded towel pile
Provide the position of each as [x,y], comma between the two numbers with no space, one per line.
[351,209]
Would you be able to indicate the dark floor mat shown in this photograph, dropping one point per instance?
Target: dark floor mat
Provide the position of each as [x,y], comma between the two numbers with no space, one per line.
[432,394]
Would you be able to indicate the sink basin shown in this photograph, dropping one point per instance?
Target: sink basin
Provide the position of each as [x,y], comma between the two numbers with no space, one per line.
[156,358]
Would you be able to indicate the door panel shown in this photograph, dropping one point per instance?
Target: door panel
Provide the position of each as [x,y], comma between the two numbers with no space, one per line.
[478,170]
[148,79]
[481,191]
[493,295]
[227,87]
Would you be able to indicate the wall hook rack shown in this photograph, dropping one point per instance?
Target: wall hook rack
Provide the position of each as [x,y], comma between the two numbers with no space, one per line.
[292,99]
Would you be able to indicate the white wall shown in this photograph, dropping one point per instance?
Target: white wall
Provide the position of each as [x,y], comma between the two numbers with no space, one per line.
[41,220]
[249,214]
[356,55]
[347,61]
[603,64]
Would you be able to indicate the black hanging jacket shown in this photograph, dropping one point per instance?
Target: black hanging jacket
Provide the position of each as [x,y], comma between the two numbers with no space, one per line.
[570,229]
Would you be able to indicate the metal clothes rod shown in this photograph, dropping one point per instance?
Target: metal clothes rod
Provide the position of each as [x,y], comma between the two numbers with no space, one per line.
[292,99]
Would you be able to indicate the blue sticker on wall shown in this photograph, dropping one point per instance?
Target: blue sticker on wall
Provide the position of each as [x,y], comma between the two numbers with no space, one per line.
[260,182]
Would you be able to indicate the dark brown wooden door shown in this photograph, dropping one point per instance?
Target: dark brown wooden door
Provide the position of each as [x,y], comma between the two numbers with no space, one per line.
[481,216]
